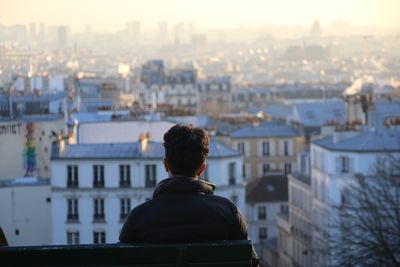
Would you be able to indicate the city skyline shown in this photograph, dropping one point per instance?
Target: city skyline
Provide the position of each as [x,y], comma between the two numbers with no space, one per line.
[206,14]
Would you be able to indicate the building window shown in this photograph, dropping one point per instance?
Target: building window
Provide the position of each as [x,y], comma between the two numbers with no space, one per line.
[266,168]
[244,170]
[262,213]
[99,237]
[98,176]
[287,168]
[72,213]
[72,176]
[72,238]
[150,172]
[125,207]
[232,173]
[265,149]
[98,214]
[124,175]
[286,148]
[241,147]
[262,233]
[344,164]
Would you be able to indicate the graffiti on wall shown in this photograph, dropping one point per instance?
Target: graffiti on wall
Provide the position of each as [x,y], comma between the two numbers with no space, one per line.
[30,150]
[14,128]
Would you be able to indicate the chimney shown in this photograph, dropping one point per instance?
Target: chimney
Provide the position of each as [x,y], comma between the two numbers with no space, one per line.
[143,141]
[61,143]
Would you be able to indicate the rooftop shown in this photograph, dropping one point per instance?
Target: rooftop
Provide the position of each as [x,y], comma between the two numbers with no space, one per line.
[382,140]
[24,181]
[272,188]
[268,129]
[301,177]
[154,150]
[318,113]
[39,98]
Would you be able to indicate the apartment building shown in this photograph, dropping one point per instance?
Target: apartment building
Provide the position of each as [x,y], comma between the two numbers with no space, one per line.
[268,148]
[94,186]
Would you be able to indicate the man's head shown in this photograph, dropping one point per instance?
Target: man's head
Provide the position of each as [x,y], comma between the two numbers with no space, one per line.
[186,149]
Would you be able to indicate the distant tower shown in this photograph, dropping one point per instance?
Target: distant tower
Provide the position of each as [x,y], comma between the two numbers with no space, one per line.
[315,29]
[62,32]
[163,32]
[42,31]
[32,31]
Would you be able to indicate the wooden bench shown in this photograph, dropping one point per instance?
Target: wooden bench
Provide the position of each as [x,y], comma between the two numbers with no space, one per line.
[221,254]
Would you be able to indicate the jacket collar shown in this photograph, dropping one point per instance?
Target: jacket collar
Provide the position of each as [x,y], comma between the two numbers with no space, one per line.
[183,185]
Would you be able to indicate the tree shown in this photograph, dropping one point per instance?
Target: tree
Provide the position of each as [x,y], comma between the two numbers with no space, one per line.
[367,228]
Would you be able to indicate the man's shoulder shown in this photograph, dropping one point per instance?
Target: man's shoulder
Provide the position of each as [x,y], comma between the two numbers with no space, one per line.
[210,198]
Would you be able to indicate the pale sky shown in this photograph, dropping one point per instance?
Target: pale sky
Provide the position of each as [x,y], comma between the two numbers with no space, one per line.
[110,15]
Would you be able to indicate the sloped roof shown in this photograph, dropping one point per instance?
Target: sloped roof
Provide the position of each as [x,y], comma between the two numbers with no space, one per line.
[269,129]
[272,188]
[383,140]
[318,113]
[221,150]
[154,150]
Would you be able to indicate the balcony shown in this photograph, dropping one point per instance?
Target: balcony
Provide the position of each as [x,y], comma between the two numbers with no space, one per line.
[98,185]
[72,218]
[72,185]
[99,218]
[124,185]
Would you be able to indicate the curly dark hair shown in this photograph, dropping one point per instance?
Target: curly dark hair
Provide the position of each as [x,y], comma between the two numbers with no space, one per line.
[186,149]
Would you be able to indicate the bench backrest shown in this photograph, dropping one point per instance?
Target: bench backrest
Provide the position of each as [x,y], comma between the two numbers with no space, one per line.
[221,254]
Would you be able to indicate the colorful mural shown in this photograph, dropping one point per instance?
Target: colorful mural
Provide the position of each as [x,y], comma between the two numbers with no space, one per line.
[30,150]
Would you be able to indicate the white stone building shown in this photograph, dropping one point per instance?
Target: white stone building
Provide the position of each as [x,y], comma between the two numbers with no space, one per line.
[335,161]
[25,206]
[94,186]
[104,132]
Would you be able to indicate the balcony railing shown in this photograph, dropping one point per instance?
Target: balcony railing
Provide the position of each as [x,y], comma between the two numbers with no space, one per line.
[72,217]
[99,217]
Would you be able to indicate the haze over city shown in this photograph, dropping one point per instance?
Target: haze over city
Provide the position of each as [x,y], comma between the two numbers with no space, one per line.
[105,15]
[300,100]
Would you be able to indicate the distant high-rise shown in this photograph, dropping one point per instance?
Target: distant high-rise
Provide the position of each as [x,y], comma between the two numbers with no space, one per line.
[32,31]
[163,31]
[62,38]
[42,31]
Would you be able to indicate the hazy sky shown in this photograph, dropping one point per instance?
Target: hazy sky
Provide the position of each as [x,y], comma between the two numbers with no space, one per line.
[112,14]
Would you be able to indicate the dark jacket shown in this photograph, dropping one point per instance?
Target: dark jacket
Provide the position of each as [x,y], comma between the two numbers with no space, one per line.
[184,210]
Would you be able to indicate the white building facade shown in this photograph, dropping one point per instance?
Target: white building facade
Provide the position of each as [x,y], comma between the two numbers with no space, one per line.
[25,208]
[335,162]
[94,186]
